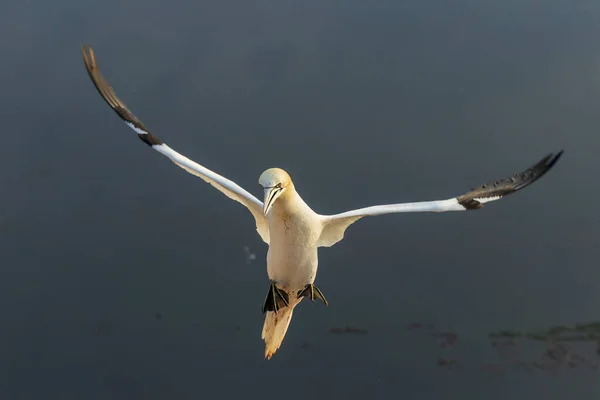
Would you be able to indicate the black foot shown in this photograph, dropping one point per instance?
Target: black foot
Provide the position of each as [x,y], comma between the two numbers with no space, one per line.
[312,292]
[276,299]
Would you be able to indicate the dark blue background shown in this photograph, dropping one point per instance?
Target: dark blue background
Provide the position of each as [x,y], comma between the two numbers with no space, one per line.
[362,103]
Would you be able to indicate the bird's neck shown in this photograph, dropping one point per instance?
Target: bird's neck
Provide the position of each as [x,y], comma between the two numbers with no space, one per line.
[289,202]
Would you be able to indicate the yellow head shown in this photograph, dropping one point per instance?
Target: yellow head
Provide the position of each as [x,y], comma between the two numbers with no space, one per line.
[274,182]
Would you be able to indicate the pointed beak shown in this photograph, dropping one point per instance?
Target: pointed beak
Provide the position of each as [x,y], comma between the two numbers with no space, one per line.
[271,194]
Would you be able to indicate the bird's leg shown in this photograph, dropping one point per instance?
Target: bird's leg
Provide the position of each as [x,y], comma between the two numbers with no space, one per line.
[312,292]
[276,299]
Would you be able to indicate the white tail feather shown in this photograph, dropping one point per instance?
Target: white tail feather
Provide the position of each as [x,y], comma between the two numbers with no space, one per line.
[275,328]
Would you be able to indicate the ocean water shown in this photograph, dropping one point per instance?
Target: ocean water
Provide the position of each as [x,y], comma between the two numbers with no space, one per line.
[123,277]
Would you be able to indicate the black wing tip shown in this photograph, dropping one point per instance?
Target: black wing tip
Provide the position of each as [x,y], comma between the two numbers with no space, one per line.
[554,157]
[468,201]
[543,166]
[113,101]
[88,57]
[547,161]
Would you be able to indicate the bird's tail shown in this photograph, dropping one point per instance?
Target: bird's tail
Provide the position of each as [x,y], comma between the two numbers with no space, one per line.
[275,327]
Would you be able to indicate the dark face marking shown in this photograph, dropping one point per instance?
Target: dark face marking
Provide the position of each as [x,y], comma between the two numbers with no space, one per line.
[272,196]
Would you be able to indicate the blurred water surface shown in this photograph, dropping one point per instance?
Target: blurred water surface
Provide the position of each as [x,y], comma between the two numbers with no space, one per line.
[123,277]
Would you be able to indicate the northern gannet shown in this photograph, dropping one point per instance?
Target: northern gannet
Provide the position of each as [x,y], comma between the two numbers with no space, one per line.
[291,229]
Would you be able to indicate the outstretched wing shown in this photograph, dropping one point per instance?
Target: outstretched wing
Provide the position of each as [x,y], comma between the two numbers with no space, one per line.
[334,226]
[229,188]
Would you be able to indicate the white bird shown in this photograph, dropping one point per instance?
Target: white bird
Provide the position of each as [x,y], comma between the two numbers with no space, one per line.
[291,229]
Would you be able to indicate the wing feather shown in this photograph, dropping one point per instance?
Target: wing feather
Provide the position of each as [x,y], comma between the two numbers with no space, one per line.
[334,226]
[224,185]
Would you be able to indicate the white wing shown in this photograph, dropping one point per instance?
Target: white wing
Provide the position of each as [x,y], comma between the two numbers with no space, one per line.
[229,188]
[335,225]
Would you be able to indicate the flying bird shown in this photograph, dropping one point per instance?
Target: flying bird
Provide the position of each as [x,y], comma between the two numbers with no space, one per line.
[291,229]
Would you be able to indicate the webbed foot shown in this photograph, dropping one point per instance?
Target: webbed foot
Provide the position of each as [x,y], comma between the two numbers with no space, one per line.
[312,292]
[276,299]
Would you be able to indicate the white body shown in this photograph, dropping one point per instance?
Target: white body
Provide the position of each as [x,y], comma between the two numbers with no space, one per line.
[294,229]
[292,260]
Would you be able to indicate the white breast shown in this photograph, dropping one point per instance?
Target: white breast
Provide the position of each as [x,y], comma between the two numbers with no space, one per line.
[292,257]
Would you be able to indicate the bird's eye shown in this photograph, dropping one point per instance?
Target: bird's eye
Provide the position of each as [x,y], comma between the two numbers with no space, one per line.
[278,186]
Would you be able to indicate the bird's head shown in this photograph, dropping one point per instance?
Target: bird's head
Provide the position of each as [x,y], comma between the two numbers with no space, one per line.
[274,182]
